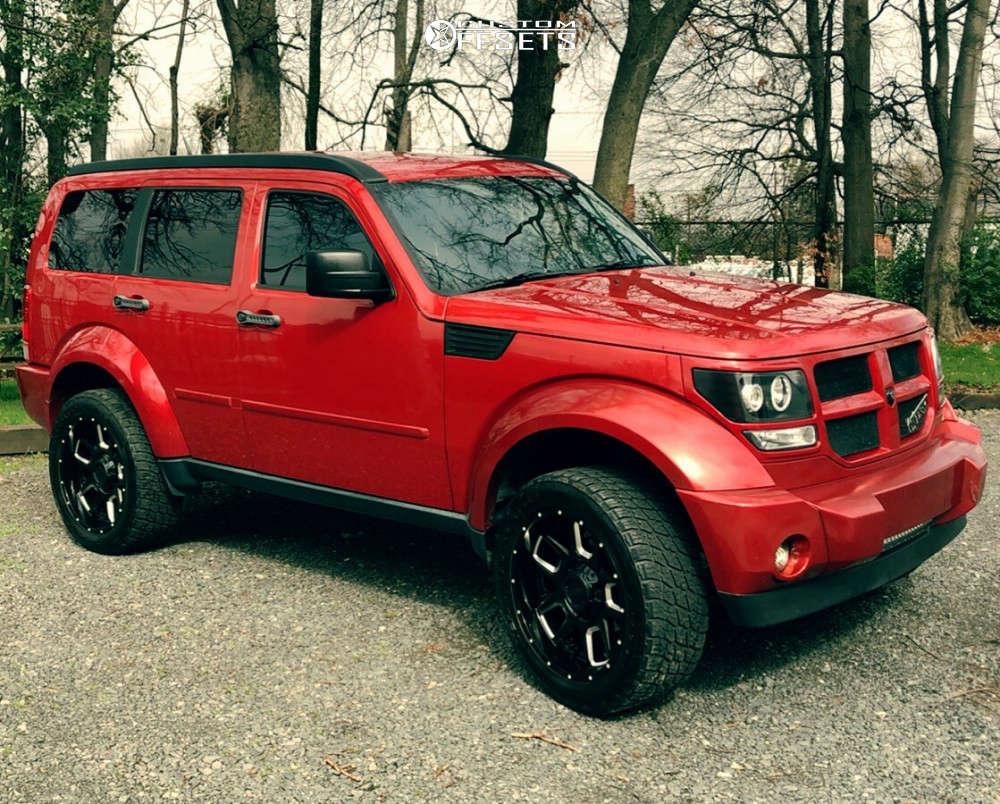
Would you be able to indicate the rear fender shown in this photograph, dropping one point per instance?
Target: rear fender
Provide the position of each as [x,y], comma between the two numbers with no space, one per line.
[689,448]
[111,351]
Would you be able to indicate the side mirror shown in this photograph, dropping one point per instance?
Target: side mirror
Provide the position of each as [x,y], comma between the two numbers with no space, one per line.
[345,275]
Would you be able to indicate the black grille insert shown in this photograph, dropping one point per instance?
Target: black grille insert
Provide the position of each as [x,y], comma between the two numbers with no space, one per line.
[853,434]
[843,377]
[905,361]
[912,413]
[484,343]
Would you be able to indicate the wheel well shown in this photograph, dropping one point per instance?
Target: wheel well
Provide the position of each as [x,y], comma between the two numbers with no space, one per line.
[562,448]
[74,379]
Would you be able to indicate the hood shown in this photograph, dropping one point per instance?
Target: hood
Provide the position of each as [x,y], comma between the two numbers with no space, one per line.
[674,310]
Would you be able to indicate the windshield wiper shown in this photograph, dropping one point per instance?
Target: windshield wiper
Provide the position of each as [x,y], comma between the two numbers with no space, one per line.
[516,279]
[624,262]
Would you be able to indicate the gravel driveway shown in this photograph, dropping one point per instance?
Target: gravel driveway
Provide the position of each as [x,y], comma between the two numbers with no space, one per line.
[273,655]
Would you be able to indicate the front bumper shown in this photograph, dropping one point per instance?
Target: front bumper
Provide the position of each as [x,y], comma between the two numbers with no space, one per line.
[847,522]
[797,600]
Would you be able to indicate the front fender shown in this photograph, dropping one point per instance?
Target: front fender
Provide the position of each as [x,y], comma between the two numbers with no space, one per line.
[113,352]
[691,449]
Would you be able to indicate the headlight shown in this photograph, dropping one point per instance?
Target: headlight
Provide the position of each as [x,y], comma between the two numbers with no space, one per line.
[767,396]
[938,370]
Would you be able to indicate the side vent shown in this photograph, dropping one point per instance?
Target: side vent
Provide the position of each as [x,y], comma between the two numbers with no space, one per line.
[483,343]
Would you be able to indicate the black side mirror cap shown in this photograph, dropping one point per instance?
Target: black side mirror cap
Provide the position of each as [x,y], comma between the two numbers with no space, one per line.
[345,275]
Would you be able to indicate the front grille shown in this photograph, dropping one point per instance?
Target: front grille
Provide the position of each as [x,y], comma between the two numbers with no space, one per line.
[844,377]
[905,361]
[905,536]
[912,413]
[853,434]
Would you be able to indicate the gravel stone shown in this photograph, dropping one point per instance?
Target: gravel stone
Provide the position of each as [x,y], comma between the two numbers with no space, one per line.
[282,652]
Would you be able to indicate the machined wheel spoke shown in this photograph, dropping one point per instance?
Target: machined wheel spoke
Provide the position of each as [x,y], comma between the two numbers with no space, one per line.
[548,550]
[598,644]
[609,600]
[78,456]
[578,542]
[543,615]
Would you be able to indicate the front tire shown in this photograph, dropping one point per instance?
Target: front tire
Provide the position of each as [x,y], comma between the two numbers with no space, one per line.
[598,580]
[107,486]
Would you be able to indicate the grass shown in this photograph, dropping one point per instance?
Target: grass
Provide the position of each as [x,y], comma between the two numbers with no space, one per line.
[973,364]
[11,411]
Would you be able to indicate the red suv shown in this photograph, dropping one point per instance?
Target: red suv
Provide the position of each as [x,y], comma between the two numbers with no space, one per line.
[485,346]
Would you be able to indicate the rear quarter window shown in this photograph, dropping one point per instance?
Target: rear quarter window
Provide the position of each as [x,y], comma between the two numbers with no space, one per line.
[90,231]
[191,235]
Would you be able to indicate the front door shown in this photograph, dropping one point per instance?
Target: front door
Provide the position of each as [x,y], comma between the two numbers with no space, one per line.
[339,392]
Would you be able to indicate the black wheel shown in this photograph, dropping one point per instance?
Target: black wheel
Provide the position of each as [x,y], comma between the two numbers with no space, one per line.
[107,486]
[600,584]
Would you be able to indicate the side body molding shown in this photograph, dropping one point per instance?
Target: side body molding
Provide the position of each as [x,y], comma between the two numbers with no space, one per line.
[110,350]
[687,446]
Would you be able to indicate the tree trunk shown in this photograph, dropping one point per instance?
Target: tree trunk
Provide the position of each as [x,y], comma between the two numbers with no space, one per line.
[12,153]
[859,190]
[647,41]
[175,69]
[818,63]
[537,69]
[255,77]
[57,150]
[104,20]
[313,89]
[942,299]
[404,60]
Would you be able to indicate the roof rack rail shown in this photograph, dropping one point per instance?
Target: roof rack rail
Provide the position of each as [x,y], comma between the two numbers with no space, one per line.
[302,160]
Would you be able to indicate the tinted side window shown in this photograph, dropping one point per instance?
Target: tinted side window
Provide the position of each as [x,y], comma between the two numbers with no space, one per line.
[90,230]
[298,223]
[191,234]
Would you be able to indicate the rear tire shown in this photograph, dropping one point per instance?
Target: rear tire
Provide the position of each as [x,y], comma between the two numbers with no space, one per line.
[107,486]
[598,578]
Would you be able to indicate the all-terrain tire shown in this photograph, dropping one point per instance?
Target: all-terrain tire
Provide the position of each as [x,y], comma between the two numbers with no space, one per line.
[647,635]
[99,451]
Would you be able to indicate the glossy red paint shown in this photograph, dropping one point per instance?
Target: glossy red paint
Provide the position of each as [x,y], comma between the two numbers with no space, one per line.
[359,396]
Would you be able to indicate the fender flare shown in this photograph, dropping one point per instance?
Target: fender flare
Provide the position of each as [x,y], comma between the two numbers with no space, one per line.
[687,446]
[112,351]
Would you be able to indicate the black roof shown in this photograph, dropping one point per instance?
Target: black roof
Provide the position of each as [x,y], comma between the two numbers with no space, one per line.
[306,160]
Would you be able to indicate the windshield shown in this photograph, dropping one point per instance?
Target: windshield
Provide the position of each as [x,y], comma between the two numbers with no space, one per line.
[466,234]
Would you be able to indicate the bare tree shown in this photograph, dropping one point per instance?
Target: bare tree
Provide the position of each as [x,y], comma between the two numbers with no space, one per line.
[647,41]
[313,88]
[252,33]
[856,131]
[954,127]
[175,69]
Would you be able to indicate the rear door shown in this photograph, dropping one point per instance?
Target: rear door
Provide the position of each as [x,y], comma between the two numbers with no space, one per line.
[177,302]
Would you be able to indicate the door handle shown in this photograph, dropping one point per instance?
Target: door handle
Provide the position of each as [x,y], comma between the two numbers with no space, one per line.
[139,304]
[247,319]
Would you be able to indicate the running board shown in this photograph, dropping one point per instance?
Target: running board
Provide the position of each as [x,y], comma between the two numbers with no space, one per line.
[186,474]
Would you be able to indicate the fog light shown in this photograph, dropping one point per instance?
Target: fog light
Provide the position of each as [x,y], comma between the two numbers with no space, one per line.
[791,557]
[781,557]
[784,438]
